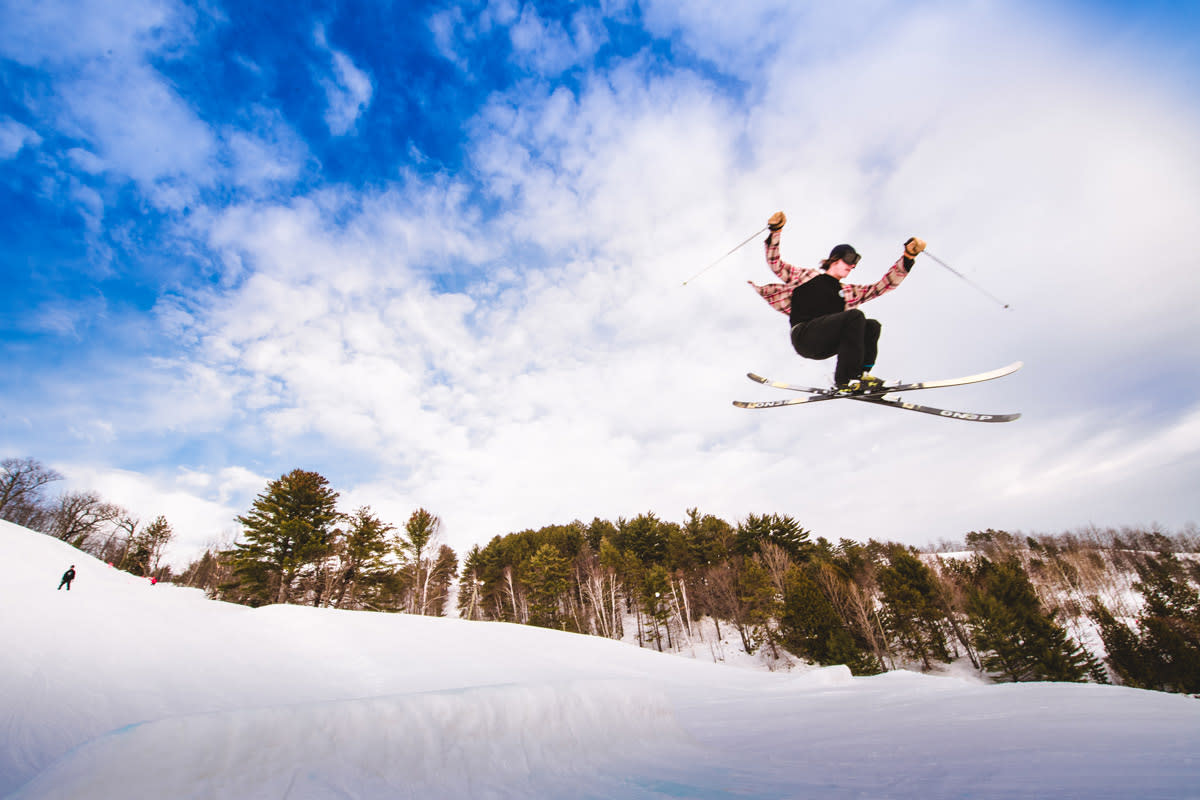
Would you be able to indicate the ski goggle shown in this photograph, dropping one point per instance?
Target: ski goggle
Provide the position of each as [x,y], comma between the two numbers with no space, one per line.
[851,258]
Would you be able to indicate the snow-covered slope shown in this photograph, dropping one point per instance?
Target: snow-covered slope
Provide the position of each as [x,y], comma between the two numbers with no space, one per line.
[123,689]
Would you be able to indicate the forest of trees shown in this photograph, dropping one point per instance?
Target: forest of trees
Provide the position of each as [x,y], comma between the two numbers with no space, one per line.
[1018,608]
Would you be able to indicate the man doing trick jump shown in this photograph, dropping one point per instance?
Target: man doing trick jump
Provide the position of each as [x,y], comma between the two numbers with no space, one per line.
[824,313]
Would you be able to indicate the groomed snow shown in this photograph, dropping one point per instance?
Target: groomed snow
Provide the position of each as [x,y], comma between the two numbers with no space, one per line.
[120,689]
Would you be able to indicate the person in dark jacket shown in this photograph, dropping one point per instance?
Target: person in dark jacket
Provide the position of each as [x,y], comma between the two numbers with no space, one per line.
[67,577]
[823,312]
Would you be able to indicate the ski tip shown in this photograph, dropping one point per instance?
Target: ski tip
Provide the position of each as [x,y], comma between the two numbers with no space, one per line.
[755,377]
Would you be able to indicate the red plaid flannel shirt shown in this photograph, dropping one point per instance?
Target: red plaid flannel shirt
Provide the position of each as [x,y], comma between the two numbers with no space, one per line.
[779,295]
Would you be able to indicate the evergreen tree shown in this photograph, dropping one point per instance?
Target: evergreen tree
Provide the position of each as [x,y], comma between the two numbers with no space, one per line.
[605,582]
[645,537]
[780,530]
[425,575]
[913,610]
[1164,652]
[1124,649]
[363,571]
[656,603]
[290,529]
[811,628]
[710,538]
[470,585]
[441,579]
[597,531]
[1016,638]
[145,548]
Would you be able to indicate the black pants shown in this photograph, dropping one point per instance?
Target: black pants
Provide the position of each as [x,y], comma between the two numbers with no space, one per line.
[849,335]
[65,582]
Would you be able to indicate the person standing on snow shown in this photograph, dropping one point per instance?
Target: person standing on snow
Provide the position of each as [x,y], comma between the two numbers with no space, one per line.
[67,577]
[823,311]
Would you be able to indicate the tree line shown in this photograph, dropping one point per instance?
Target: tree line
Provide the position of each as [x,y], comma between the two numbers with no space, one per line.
[83,519]
[1018,608]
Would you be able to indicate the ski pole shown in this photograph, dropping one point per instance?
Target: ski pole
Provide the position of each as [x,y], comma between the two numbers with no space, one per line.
[965,278]
[727,255]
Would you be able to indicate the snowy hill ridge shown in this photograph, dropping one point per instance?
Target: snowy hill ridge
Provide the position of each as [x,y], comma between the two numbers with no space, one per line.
[122,689]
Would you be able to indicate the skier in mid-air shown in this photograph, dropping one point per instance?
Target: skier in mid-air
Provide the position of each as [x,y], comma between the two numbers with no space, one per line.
[823,311]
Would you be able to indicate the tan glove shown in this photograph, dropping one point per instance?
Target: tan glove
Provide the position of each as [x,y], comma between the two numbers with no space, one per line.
[777,220]
[913,247]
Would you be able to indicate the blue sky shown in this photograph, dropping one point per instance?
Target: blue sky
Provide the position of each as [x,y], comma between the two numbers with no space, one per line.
[434,251]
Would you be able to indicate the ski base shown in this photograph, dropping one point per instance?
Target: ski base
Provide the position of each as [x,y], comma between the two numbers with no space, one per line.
[878,397]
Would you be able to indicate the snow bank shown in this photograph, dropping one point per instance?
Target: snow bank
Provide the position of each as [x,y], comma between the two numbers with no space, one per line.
[123,689]
[514,739]
[118,654]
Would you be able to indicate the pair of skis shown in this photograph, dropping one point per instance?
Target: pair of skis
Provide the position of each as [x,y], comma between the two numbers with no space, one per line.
[878,398]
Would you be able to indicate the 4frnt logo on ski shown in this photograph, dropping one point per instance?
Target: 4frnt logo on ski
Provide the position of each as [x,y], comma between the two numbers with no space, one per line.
[878,397]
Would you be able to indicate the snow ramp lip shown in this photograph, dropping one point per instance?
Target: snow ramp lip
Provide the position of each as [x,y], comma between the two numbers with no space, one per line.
[453,743]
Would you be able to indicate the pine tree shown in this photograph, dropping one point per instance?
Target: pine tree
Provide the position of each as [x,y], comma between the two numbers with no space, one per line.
[913,610]
[645,537]
[655,597]
[783,531]
[709,538]
[290,528]
[145,548]
[811,627]
[1015,636]
[420,534]
[1164,653]
[470,585]
[441,580]
[362,571]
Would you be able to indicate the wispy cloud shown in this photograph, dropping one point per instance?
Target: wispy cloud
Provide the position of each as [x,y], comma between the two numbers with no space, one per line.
[549,47]
[108,95]
[265,153]
[347,92]
[14,137]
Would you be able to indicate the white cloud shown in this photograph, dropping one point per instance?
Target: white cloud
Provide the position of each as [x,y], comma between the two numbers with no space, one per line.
[543,46]
[141,127]
[134,121]
[266,153]
[86,161]
[567,373]
[14,137]
[444,26]
[38,32]
[201,507]
[546,47]
[347,93]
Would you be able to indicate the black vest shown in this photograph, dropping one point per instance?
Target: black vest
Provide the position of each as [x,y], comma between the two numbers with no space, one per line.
[815,298]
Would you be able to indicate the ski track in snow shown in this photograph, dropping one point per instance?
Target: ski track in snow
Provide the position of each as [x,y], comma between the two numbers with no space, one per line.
[119,689]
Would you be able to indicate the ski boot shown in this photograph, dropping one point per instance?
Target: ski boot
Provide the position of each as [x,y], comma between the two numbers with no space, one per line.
[869,384]
[863,384]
